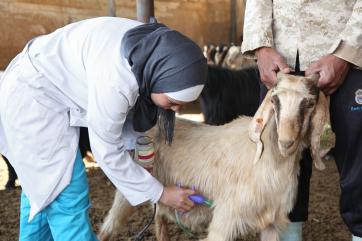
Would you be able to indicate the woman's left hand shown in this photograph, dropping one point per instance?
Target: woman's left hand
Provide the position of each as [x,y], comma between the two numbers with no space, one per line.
[177,198]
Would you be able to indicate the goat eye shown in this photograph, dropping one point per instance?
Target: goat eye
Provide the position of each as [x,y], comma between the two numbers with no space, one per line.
[311,103]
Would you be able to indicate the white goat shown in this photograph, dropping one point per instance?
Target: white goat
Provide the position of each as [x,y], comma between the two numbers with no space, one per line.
[250,194]
[234,59]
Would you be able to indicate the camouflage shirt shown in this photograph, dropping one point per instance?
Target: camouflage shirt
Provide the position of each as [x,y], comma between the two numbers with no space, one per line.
[314,28]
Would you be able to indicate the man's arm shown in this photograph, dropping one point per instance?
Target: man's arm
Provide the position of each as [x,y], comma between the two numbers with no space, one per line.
[257,31]
[347,50]
[258,40]
[349,46]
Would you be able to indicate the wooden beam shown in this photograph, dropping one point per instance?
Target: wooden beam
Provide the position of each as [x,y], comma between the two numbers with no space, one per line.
[233,20]
[145,10]
[112,8]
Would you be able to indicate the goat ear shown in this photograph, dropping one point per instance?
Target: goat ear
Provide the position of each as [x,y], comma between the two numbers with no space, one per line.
[280,76]
[259,121]
[314,78]
[319,119]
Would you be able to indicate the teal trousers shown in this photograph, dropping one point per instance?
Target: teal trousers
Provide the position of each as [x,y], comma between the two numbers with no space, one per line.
[66,218]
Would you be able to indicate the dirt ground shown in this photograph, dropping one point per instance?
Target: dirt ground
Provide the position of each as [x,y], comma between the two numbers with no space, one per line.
[324,222]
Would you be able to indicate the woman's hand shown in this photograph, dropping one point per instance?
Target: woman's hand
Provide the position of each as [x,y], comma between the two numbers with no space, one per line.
[269,63]
[177,198]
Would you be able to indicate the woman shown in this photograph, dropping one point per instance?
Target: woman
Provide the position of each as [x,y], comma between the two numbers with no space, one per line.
[112,75]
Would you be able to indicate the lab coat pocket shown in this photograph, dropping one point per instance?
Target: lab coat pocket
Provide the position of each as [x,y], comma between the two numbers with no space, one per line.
[50,103]
[34,129]
[55,122]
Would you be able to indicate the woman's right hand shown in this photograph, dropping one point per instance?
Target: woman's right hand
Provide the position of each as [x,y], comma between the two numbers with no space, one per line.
[177,198]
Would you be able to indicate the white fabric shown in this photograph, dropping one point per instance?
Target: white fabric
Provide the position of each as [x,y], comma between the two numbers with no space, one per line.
[72,77]
[186,95]
[355,238]
[293,232]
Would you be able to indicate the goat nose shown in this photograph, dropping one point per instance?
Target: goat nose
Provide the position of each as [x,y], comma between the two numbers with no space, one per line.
[286,144]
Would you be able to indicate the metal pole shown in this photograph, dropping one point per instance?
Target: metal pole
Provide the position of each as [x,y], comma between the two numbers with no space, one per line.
[233,9]
[112,8]
[145,10]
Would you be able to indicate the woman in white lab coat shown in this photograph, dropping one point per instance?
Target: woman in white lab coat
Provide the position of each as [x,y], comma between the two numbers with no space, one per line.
[115,76]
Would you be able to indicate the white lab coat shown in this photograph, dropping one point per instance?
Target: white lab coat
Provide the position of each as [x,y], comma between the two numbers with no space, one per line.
[72,77]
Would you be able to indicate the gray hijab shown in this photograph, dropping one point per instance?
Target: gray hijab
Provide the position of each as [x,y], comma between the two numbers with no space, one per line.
[162,60]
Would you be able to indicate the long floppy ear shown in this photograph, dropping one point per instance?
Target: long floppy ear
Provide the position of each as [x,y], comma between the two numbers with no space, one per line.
[320,117]
[259,121]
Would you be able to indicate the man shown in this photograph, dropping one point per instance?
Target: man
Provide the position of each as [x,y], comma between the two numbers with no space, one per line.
[325,37]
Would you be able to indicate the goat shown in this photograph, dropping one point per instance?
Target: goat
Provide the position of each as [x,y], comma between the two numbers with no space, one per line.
[221,51]
[209,53]
[235,60]
[84,144]
[229,57]
[253,188]
[228,94]
[10,184]
[215,54]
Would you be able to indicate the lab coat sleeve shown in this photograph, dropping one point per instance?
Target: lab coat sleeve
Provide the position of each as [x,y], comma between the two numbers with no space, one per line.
[107,112]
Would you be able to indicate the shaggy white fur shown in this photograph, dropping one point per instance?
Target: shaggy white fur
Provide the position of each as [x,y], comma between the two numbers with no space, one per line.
[219,162]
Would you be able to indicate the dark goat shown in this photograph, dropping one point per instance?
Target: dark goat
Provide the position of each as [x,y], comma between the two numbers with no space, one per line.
[209,51]
[228,94]
[215,55]
[221,51]
[84,144]
[12,175]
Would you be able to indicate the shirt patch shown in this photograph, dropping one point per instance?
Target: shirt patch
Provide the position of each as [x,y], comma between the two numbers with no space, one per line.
[358,97]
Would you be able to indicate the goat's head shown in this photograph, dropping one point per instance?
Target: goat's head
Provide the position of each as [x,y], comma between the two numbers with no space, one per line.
[300,112]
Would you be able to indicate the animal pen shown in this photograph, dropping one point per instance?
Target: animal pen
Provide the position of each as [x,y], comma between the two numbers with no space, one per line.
[324,222]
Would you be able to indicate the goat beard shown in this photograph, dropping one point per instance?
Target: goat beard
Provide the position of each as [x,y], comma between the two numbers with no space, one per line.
[166,125]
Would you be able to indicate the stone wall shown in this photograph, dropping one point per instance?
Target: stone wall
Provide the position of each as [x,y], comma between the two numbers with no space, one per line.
[205,21]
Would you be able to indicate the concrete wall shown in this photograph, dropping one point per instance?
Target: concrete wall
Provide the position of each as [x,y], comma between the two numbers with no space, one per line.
[205,21]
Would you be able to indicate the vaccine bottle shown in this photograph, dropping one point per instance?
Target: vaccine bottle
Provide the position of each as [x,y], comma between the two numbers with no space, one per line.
[145,152]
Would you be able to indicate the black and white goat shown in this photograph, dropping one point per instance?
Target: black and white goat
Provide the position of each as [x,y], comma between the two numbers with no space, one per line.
[228,94]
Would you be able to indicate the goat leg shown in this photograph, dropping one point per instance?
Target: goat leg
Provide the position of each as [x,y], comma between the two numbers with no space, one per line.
[116,218]
[270,233]
[222,226]
[161,227]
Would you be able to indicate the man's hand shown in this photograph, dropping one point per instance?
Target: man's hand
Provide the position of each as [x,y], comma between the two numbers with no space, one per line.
[177,198]
[332,71]
[269,63]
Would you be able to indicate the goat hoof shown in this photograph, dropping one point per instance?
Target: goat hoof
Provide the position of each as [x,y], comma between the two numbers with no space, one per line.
[104,237]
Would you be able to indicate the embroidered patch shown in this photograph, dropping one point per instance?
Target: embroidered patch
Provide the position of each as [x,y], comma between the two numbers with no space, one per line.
[358,97]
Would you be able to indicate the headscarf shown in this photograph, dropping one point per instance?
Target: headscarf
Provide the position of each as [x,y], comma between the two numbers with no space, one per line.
[163,61]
